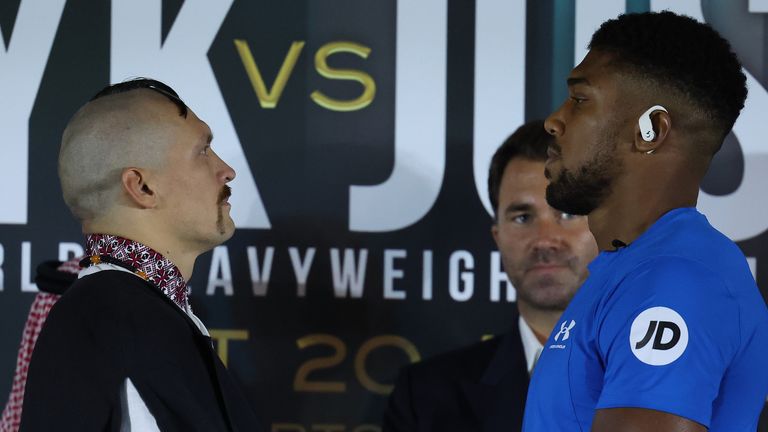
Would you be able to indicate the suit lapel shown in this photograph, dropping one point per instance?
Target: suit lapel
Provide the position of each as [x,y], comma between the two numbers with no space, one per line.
[498,398]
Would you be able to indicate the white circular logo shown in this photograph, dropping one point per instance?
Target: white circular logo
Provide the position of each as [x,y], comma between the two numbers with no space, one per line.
[658,336]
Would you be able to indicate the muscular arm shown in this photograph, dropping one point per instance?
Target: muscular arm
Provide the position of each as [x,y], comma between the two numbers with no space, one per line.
[641,420]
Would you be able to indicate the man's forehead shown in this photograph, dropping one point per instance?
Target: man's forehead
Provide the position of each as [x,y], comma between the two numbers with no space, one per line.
[521,172]
[596,64]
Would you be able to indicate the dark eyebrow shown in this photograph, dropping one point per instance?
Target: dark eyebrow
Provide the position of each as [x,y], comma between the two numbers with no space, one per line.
[518,207]
[577,80]
[210,138]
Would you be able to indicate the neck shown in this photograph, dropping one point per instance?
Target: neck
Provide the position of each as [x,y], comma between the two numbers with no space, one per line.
[184,260]
[540,321]
[637,203]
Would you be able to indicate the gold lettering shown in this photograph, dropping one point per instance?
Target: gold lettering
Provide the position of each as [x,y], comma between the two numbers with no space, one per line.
[369,86]
[300,381]
[222,338]
[378,342]
[268,98]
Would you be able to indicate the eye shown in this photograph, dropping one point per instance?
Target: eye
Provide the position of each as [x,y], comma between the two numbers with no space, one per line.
[568,216]
[205,150]
[577,100]
[521,219]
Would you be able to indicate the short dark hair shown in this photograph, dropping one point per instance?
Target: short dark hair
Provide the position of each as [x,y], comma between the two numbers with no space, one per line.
[144,83]
[679,53]
[529,141]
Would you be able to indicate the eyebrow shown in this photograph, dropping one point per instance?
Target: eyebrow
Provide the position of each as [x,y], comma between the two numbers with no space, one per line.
[518,207]
[577,80]
[209,138]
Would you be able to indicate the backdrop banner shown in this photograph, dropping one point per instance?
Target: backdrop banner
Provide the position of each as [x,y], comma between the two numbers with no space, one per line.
[361,132]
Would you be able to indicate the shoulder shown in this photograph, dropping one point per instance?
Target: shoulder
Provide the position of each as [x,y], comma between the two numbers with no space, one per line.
[464,363]
[111,300]
[674,278]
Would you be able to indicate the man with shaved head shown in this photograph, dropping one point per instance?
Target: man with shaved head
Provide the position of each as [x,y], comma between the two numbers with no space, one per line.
[122,349]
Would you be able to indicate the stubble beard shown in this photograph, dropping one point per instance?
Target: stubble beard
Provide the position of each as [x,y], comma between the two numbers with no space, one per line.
[583,191]
[549,292]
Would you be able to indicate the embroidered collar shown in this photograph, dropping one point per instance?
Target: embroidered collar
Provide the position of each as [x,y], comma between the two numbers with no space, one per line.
[142,260]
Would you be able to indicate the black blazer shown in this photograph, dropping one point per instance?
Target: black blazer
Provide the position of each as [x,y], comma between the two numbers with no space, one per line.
[110,326]
[479,388]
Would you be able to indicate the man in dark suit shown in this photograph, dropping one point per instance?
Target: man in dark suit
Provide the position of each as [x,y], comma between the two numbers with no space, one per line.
[545,252]
[122,350]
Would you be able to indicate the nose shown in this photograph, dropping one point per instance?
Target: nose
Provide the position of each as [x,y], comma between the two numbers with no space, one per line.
[225,172]
[554,124]
[549,235]
[228,173]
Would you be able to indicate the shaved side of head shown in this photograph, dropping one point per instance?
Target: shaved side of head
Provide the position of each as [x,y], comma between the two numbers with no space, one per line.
[112,132]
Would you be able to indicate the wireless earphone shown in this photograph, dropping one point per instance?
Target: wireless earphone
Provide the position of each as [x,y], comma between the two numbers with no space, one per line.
[646,127]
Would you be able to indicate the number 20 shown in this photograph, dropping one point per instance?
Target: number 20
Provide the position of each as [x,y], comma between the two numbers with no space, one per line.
[302,384]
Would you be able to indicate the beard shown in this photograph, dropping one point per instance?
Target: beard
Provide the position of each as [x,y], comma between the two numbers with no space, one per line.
[581,192]
[549,291]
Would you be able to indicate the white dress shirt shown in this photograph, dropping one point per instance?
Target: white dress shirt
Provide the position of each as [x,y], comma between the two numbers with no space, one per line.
[531,344]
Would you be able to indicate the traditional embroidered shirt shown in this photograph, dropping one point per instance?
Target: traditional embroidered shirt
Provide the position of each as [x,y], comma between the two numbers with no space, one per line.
[143,261]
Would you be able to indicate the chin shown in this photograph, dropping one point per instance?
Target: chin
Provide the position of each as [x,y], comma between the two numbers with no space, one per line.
[227,230]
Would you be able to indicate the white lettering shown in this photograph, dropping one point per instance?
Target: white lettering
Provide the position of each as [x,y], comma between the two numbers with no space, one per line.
[426,275]
[23,62]
[26,268]
[348,277]
[182,62]
[758,6]
[499,82]
[260,274]
[391,273]
[220,266]
[498,277]
[69,250]
[301,268]
[461,291]
[420,109]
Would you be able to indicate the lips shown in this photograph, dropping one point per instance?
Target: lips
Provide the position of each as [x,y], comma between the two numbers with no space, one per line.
[546,267]
[224,195]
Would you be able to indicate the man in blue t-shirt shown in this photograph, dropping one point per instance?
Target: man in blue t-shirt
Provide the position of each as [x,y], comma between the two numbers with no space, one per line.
[669,332]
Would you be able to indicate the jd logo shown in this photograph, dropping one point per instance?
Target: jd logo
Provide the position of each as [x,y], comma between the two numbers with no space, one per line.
[668,331]
[657,343]
[565,330]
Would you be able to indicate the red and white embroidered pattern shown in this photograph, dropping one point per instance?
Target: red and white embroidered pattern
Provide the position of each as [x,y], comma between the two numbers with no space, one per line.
[41,306]
[157,269]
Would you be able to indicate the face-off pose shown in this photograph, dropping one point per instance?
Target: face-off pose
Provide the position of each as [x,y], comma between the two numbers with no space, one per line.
[545,253]
[122,350]
[669,331]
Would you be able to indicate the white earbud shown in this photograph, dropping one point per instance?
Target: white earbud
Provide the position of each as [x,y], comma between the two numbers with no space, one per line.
[646,127]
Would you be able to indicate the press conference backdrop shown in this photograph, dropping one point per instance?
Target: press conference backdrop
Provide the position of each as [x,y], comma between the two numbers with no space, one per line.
[361,132]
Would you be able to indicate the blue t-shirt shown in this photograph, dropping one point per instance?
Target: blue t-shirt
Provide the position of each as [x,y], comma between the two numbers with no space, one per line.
[674,322]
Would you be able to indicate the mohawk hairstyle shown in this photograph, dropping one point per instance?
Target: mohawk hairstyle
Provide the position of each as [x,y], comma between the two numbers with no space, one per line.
[529,141]
[144,83]
[677,52]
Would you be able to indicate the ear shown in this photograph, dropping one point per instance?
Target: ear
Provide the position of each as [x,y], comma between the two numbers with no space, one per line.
[134,182]
[661,122]
[495,233]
